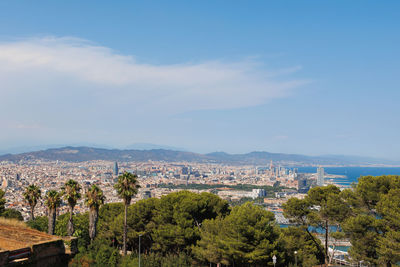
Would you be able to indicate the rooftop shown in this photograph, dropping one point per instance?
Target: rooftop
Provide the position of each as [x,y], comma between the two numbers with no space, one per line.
[21,245]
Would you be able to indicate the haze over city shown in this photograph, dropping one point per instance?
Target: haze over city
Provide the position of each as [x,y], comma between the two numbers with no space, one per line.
[199,133]
[311,77]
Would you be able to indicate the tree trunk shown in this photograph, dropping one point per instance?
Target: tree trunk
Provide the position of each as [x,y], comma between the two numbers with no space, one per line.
[93,217]
[70,227]
[326,242]
[32,215]
[52,221]
[125,230]
[321,250]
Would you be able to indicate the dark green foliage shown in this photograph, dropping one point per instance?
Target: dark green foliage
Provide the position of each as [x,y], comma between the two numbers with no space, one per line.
[244,187]
[323,207]
[107,226]
[84,258]
[158,260]
[364,234]
[39,223]
[179,217]
[248,235]
[370,189]
[168,225]
[295,239]
[259,200]
[81,224]
[388,209]
[374,229]
[2,201]
[114,258]
[107,256]
[97,256]
[188,229]
[12,214]
[140,220]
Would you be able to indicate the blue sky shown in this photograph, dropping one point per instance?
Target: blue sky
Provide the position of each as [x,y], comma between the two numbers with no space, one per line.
[309,77]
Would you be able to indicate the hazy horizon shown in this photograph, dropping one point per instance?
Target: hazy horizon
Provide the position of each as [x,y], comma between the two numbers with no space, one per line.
[149,146]
[310,78]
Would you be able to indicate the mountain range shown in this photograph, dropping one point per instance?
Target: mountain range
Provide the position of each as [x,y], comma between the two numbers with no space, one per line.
[80,154]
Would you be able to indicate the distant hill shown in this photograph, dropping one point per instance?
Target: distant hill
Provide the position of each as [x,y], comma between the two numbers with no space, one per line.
[148,146]
[27,148]
[79,154]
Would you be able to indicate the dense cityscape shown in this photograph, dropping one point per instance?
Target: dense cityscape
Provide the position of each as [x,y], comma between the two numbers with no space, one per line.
[155,178]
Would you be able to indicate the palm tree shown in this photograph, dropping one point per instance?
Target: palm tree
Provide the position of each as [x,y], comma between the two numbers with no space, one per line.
[71,194]
[32,194]
[52,201]
[94,199]
[126,186]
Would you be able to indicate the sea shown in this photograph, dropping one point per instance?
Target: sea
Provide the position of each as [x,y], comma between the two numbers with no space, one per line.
[351,176]
[352,173]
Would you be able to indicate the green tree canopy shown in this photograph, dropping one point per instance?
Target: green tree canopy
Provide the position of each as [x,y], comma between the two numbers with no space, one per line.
[140,221]
[2,201]
[108,214]
[388,209]
[81,222]
[12,214]
[295,239]
[179,217]
[39,223]
[322,207]
[375,222]
[248,235]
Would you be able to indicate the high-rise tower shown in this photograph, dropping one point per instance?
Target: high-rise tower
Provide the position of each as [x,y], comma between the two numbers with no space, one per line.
[320,176]
[116,171]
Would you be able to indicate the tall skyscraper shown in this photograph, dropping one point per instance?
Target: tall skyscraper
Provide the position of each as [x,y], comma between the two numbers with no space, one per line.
[116,171]
[185,170]
[320,176]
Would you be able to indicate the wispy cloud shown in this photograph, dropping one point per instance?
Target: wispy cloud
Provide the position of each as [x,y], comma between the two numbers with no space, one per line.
[72,81]
[204,85]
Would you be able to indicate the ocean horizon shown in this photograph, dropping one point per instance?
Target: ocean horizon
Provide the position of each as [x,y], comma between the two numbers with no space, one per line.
[352,173]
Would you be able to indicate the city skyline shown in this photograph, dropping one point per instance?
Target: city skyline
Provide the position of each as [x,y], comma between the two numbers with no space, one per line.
[306,78]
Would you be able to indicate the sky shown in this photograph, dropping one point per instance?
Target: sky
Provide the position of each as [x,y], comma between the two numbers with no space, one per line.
[304,77]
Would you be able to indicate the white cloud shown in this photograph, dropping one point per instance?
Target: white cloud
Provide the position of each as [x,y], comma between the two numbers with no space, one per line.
[75,83]
[207,85]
